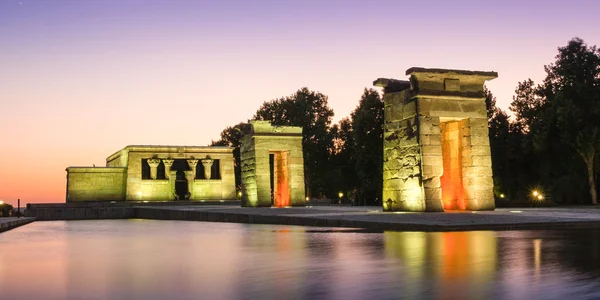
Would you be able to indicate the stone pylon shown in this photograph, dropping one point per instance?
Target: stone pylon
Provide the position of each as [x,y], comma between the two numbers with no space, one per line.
[436,145]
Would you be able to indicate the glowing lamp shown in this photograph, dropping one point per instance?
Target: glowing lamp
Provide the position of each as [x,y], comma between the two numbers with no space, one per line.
[501,195]
[240,194]
[535,193]
[307,199]
[540,197]
[340,194]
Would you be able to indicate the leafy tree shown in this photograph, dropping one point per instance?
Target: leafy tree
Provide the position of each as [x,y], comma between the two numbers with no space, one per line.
[343,175]
[559,123]
[367,132]
[499,131]
[310,110]
[527,104]
[572,88]
[5,209]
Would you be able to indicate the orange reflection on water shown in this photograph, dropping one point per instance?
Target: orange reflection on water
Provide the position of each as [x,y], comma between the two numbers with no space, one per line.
[452,257]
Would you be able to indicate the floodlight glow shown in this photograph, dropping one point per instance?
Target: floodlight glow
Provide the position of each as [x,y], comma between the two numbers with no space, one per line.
[540,197]
[501,195]
[340,194]
[535,193]
[307,199]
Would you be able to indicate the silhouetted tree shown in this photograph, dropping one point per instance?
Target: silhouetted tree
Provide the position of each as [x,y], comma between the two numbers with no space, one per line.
[342,173]
[367,132]
[310,110]
[5,209]
[558,123]
[572,88]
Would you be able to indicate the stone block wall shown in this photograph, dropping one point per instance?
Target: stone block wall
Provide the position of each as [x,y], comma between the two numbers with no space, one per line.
[259,140]
[436,144]
[95,184]
[402,160]
[249,182]
[122,178]
[139,189]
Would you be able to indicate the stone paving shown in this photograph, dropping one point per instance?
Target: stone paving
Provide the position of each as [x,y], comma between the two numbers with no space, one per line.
[10,223]
[375,218]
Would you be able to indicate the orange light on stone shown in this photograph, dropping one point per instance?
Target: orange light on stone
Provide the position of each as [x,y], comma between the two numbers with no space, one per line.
[453,193]
[282,189]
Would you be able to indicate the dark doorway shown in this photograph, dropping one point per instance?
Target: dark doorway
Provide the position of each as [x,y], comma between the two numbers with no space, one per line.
[181,185]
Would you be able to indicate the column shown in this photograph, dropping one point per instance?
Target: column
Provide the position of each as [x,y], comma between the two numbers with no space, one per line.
[153,162]
[190,175]
[168,163]
[207,164]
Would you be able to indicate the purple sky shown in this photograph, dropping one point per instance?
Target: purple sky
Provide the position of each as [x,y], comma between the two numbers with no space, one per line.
[81,79]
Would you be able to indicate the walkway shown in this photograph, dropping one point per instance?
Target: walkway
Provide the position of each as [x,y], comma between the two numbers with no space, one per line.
[374,218]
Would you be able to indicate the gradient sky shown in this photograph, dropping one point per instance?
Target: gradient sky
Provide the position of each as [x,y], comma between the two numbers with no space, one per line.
[81,79]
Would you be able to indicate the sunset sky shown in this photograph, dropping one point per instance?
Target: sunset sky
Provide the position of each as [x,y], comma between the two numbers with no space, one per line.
[81,79]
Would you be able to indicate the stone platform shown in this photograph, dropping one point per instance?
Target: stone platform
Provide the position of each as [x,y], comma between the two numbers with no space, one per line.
[374,218]
[10,223]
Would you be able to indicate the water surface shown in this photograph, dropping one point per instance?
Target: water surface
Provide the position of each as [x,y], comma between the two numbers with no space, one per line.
[150,259]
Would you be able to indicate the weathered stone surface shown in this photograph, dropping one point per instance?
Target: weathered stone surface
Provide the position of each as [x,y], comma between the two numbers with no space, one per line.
[433,160]
[126,183]
[431,139]
[260,140]
[484,161]
[428,150]
[414,155]
[432,171]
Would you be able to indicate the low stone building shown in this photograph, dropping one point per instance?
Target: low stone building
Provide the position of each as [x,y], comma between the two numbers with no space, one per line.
[156,173]
[436,145]
[272,165]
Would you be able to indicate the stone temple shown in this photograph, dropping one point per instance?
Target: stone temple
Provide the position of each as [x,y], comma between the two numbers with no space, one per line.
[156,173]
[436,144]
[272,165]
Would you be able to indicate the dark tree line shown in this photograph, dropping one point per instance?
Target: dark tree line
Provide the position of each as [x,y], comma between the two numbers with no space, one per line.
[342,157]
[553,140]
[550,143]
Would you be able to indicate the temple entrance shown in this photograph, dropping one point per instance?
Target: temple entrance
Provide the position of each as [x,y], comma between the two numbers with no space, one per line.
[279,175]
[453,193]
[181,185]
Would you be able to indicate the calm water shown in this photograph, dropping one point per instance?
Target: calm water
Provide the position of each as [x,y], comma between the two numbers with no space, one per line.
[143,259]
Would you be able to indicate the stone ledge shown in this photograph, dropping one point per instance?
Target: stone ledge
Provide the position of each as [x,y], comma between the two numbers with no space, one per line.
[10,223]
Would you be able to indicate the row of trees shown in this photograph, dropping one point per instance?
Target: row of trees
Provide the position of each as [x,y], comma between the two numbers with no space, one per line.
[344,157]
[550,143]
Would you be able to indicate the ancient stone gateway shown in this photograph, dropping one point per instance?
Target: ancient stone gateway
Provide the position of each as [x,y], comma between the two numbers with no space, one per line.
[436,145]
[272,165]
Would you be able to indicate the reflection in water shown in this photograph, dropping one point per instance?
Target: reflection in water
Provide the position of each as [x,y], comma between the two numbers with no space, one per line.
[458,264]
[142,259]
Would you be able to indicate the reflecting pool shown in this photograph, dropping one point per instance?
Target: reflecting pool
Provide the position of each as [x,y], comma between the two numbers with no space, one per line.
[151,259]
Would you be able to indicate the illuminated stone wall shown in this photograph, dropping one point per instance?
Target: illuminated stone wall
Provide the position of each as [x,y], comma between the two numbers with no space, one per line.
[259,140]
[95,184]
[413,167]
